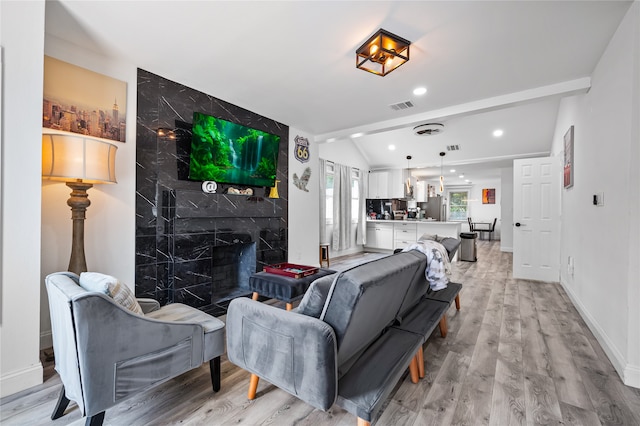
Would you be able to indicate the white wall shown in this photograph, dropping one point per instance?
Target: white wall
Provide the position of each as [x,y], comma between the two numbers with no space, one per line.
[344,152]
[506,210]
[604,241]
[22,36]
[304,207]
[109,229]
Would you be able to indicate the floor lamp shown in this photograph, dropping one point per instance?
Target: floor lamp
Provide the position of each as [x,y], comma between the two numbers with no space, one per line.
[79,161]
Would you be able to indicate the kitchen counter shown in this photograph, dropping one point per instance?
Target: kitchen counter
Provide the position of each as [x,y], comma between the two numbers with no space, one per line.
[385,235]
[412,221]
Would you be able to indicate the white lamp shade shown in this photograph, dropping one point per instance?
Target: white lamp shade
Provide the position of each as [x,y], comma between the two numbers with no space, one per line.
[76,157]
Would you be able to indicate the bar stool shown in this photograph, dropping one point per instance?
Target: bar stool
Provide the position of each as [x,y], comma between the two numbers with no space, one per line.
[324,255]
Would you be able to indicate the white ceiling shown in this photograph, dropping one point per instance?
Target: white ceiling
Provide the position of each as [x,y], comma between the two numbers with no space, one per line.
[486,65]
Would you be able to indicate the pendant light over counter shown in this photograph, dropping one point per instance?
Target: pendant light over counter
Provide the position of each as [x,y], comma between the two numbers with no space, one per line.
[442,154]
[409,188]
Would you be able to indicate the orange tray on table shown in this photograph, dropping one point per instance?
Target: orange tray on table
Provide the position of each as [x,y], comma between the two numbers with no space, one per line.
[291,270]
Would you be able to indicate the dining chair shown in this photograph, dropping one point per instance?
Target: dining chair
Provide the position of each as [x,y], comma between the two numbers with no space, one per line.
[493,228]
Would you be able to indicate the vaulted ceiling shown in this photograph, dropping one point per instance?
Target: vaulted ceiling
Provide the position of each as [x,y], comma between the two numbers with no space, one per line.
[485,64]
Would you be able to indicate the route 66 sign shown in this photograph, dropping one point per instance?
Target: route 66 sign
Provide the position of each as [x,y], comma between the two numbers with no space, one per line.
[301,150]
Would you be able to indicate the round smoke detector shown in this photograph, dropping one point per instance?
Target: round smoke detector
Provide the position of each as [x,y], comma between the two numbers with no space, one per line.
[429,129]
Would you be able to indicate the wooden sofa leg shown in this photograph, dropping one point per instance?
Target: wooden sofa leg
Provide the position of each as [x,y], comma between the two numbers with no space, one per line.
[363,422]
[253,386]
[421,362]
[443,326]
[457,301]
[413,370]
[254,296]
[61,405]
[214,368]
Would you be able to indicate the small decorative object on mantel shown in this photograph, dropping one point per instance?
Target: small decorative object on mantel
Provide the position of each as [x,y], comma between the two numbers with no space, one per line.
[209,186]
[273,193]
[301,182]
[246,191]
[301,150]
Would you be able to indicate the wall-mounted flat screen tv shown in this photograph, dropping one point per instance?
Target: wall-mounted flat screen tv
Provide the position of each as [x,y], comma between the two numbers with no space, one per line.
[231,153]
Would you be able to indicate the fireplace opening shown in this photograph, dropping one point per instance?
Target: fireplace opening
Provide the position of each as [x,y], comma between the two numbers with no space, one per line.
[231,268]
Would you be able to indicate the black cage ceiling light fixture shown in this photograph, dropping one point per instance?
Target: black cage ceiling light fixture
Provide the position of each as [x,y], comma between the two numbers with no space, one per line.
[382,53]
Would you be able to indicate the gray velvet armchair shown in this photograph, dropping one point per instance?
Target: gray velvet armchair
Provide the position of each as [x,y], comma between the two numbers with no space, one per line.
[105,353]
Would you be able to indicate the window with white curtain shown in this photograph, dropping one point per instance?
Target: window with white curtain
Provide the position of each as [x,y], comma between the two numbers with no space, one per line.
[329,193]
[355,194]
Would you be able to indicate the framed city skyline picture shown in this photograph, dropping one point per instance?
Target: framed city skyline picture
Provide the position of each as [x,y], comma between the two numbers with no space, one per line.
[81,101]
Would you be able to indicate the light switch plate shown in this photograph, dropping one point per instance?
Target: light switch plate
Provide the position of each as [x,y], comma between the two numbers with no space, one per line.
[600,198]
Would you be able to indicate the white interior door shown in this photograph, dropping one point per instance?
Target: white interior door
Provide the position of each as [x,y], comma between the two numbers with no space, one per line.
[536,218]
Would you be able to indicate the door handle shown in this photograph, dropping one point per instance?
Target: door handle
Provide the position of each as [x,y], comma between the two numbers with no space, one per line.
[518,224]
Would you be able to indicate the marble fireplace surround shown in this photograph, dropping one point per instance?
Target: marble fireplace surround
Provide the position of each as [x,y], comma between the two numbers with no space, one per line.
[186,239]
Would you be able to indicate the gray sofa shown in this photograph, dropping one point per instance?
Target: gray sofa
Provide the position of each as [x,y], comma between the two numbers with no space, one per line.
[351,339]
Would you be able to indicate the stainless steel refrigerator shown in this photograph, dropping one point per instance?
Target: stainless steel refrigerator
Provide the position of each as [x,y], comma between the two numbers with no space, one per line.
[435,208]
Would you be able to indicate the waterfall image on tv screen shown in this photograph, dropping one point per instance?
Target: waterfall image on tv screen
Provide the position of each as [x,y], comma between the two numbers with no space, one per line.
[227,152]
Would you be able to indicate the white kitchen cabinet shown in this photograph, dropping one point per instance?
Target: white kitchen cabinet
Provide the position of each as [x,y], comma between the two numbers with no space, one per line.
[386,184]
[396,184]
[420,191]
[404,233]
[379,235]
[379,185]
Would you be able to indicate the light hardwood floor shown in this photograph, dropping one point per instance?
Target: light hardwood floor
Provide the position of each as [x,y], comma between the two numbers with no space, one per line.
[517,353]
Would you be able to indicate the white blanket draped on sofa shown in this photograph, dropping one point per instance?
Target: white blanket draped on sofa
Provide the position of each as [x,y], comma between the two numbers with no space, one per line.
[438,265]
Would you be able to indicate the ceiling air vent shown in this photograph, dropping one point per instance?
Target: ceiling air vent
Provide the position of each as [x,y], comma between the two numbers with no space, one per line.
[453,147]
[401,105]
[429,129]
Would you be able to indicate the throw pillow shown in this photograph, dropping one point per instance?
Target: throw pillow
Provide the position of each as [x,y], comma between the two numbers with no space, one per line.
[112,287]
[424,237]
[315,297]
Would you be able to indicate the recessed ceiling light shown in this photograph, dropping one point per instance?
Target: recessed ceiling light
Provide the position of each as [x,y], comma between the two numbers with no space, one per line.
[392,147]
[461,176]
[419,91]
[467,180]
[452,170]
[357,135]
[331,140]
[498,132]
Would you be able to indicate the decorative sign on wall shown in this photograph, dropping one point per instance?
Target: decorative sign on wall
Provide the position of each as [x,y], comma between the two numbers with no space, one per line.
[568,158]
[489,196]
[77,100]
[301,150]
[301,182]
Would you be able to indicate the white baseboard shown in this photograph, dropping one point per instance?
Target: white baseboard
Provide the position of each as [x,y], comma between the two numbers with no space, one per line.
[630,374]
[20,380]
[506,249]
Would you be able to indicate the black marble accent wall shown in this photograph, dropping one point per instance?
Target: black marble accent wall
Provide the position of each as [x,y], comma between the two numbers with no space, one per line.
[185,238]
